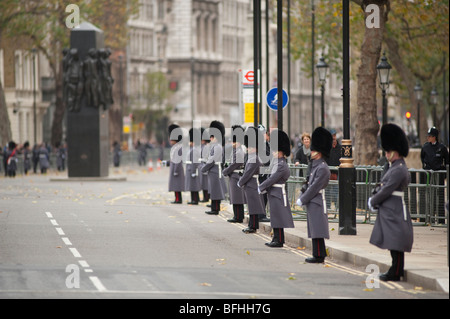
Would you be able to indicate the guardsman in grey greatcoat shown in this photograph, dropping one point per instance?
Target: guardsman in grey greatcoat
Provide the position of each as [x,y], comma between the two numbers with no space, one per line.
[192,167]
[234,171]
[393,227]
[213,166]
[176,172]
[205,149]
[249,179]
[44,158]
[275,186]
[314,196]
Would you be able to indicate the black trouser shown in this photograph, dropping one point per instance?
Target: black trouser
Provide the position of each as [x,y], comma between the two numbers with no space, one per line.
[178,197]
[278,235]
[205,195]
[398,263]
[215,205]
[253,222]
[238,210]
[318,248]
[195,197]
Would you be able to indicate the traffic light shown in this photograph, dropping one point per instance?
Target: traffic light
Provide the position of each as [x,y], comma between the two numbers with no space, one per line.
[408,115]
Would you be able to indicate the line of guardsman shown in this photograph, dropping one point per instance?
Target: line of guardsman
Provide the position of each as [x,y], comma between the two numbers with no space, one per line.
[205,171]
[250,182]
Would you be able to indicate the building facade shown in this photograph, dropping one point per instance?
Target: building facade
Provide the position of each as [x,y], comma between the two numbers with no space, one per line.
[23,74]
[201,46]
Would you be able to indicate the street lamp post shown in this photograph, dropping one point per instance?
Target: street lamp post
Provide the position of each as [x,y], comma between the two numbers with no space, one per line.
[384,68]
[347,171]
[34,50]
[418,91]
[434,99]
[322,68]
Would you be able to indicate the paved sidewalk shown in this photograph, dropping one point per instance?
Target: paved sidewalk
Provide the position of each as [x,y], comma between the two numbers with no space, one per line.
[426,266]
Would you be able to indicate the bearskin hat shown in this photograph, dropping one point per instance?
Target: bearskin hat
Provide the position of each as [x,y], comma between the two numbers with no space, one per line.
[393,138]
[194,135]
[12,145]
[205,134]
[253,137]
[279,141]
[321,141]
[175,136]
[237,133]
[214,128]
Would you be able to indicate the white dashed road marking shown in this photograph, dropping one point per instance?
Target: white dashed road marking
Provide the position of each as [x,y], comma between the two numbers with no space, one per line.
[83,263]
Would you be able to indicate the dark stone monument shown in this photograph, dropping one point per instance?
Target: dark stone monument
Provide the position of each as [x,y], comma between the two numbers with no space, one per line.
[87,118]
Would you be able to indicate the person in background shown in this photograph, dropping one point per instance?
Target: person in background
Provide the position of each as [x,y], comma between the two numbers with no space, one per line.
[434,156]
[27,156]
[44,159]
[333,160]
[116,154]
[11,159]
[303,155]
[60,157]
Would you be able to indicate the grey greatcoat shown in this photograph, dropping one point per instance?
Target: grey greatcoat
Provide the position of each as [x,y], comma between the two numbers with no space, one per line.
[176,172]
[249,183]
[44,158]
[234,172]
[192,170]
[213,167]
[393,228]
[204,176]
[314,200]
[275,186]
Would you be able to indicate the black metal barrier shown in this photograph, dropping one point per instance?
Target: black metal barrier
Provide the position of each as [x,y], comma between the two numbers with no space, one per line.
[425,196]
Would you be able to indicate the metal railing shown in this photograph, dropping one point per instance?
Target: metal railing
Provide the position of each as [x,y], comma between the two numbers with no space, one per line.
[425,196]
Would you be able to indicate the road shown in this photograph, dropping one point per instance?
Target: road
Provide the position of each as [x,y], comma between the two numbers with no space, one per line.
[62,239]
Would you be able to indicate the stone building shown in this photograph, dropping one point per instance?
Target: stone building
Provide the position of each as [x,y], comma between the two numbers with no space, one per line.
[24,76]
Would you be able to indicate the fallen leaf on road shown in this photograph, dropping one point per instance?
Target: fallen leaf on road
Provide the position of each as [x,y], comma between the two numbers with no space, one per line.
[291,278]
[368,289]
[301,248]
[248,253]
[205,284]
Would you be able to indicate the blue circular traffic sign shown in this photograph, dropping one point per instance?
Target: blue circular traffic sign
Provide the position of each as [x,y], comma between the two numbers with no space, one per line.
[272,99]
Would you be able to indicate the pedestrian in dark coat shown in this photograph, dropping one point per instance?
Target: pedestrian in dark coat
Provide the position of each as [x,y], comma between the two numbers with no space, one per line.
[393,227]
[11,159]
[35,157]
[249,179]
[213,166]
[192,167]
[234,172]
[116,154]
[176,171]
[60,157]
[434,156]
[313,197]
[205,150]
[275,186]
[26,157]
